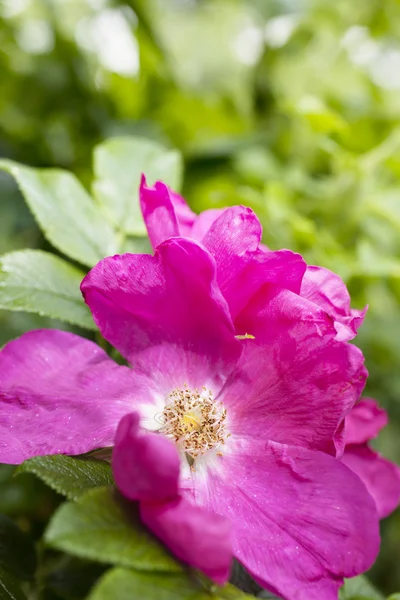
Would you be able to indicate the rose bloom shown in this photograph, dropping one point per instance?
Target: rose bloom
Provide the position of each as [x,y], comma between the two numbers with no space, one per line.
[233,237]
[249,378]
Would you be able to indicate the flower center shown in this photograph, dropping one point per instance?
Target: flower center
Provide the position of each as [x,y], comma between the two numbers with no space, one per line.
[194,420]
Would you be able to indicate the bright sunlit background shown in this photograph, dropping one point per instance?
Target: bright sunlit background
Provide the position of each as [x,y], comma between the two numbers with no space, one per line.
[290,106]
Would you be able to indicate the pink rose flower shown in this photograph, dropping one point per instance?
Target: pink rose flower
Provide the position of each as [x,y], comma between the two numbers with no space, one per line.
[253,419]
[146,468]
[233,236]
[380,476]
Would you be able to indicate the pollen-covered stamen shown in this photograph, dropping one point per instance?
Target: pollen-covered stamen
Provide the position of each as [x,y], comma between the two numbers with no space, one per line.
[194,420]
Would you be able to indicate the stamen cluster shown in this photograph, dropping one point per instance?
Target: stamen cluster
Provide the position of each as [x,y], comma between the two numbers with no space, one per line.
[194,420]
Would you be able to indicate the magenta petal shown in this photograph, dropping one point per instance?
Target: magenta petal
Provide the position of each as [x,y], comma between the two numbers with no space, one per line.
[200,538]
[294,383]
[242,268]
[184,215]
[379,475]
[301,520]
[233,241]
[142,302]
[365,421]
[327,290]
[282,268]
[60,393]
[339,440]
[236,231]
[145,465]
[158,212]
[203,223]
[167,214]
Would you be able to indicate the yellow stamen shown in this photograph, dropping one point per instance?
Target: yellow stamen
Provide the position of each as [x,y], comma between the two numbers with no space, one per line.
[246,336]
[191,423]
[194,420]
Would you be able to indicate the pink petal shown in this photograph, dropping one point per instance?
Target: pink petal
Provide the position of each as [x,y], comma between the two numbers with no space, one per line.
[184,215]
[200,538]
[236,231]
[167,214]
[158,212]
[294,383]
[339,439]
[242,268]
[282,268]
[301,520]
[61,394]
[365,421]
[327,290]
[203,223]
[145,465]
[379,475]
[167,307]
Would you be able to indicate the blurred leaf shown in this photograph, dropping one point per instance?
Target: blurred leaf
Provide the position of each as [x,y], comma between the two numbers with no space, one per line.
[230,592]
[25,496]
[118,166]
[141,9]
[9,587]
[394,597]
[17,553]
[39,282]
[65,212]
[242,579]
[123,584]
[99,527]
[67,475]
[372,263]
[136,245]
[321,118]
[73,578]
[359,588]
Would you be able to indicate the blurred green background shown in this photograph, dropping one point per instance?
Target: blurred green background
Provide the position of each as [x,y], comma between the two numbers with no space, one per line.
[289,106]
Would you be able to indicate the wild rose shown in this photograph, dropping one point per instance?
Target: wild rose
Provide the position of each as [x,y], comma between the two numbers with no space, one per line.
[253,420]
[146,469]
[233,236]
[380,476]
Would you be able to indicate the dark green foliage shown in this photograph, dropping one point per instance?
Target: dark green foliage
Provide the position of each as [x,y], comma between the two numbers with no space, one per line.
[68,475]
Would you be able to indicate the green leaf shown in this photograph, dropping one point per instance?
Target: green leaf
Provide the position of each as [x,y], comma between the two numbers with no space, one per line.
[123,584]
[394,597]
[65,212]
[17,553]
[118,166]
[321,118]
[69,476]
[39,282]
[230,592]
[72,578]
[359,588]
[144,16]
[9,587]
[101,527]
[136,245]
